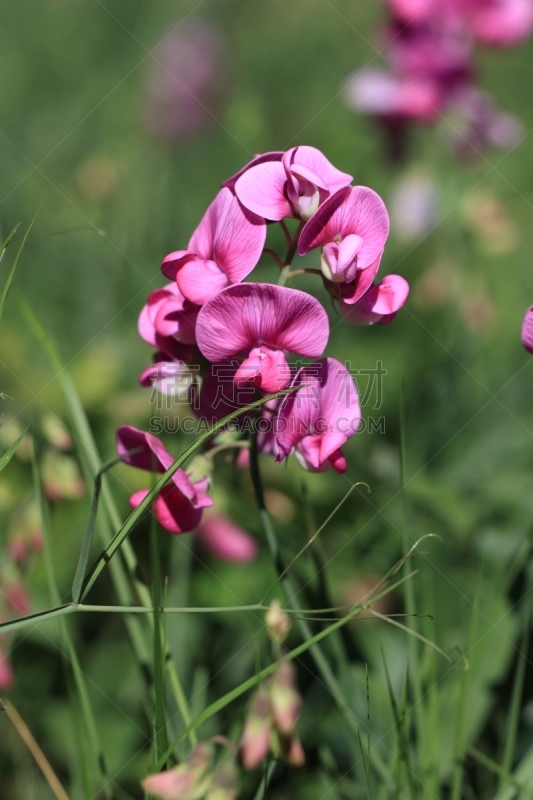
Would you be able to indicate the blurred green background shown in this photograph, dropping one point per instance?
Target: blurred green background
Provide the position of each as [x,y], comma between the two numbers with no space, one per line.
[76,146]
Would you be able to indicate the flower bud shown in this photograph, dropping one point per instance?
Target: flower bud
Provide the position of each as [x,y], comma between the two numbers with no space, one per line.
[277,621]
[187,781]
[7,677]
[56,432]
[285,699]
[225,784]
[256,734]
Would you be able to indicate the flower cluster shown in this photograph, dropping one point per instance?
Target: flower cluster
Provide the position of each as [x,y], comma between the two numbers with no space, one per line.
[222,342]
[269,727]
[430,46]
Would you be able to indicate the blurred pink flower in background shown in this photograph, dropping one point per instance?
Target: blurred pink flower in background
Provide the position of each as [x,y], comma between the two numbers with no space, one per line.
[184,89]
[223,539]
[7,676]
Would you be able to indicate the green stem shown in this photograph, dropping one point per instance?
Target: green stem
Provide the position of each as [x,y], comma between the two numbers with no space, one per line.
[161,742]
[291,252]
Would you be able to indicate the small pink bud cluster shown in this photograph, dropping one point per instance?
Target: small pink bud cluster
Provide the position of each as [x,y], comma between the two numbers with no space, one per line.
[14,602]
[429,45]
[222,342]
[270,725]
[196,778]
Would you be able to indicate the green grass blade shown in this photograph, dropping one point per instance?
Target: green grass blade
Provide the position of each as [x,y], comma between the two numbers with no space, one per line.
[8,455]
[513,718]
[9,281]
[160,722]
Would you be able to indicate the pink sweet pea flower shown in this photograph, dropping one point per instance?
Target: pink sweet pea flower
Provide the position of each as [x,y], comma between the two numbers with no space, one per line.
[223,539]
[171,378]
[223,250]
[262,321]
[168,320]
[380,303]
[390,96]
[179,505]
[292,187]
[527,330]
[352,227]
[415,10]
[501,22]
[319,418]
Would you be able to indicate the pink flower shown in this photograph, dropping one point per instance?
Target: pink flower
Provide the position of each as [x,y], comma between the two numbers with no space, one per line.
[380,303]
[16,595]
[480,123]
[292,187]
[388,95]
[415,10]
[168,320]
[318,419]
[501,22]
[179,505]
[527,330]
[261,321]
[172,378]
[7,676]
[352,227]
[224,249]
[222,538]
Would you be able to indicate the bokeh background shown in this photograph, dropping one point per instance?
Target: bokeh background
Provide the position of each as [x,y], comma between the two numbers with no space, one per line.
[99,135]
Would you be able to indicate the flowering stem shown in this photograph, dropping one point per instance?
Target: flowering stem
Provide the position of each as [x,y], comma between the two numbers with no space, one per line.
[303,271]
[286,231]
[291,252]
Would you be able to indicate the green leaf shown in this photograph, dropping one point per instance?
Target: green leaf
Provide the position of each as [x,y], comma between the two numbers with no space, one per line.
[8,455]
[9,281]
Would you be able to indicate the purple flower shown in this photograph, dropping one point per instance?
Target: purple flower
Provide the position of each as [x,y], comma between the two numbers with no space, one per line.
[380,303]
[527,330]
[291,187]
[318,419]
[168,320]
[224,249]
[261,321]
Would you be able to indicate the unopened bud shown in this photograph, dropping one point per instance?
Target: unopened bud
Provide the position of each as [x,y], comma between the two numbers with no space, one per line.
[56,433]
[61,477]
[188,781]
[256,734]
[285,699]
[278,622]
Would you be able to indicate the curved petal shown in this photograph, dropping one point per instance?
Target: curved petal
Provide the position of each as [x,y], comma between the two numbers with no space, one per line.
[175,512]
[201,280]
[151,454]
[230,236]
[261,189]
[249,315]
[353,291]
[382,300]
[261,158]
[527,330]
[147,317]
[317,163]
[171,263]
[353,210]
[176,318]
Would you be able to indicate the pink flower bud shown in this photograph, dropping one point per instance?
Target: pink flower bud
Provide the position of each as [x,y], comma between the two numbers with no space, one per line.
[285,699]
[17,596]
[220,537]
[187,781]
[225,784]
[256,734]
[7,676]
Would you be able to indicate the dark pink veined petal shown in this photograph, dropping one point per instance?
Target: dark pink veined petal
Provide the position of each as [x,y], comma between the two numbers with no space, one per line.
[152,454]
[173,510]
[251,315]
[267,369]
[201,280]
[222,538]
[230,236]
[261,189]
[353,210]
[148,315]
[176,318]
[382,300]
[352,292]
[322,415]
[219,395]
[261,158]
[316,162]
[527,330]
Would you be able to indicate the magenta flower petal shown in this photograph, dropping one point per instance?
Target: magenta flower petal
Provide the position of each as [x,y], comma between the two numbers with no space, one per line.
[222,538]
[527,330]
[201,280]
[261,158]
[152,454]
[502,22]
[251,315]
[353,210]
[170,264]
[319,418]
[230,236]
[316,162]
[380,303]
[262,190]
